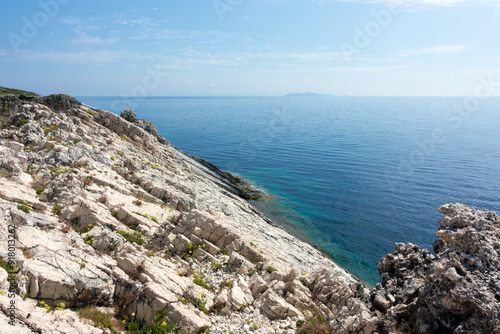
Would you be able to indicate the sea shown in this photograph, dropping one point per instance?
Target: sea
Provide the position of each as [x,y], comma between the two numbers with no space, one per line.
[351,175]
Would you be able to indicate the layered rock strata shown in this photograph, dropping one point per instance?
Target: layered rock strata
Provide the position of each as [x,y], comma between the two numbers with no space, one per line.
[108,218]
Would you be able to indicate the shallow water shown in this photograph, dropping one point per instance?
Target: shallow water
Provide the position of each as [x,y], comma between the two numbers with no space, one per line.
[355,175]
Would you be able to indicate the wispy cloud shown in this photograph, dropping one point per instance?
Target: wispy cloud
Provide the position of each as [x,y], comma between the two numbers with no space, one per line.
[94,40]
[412,3]
[434,50]
[79,57]
[155,33]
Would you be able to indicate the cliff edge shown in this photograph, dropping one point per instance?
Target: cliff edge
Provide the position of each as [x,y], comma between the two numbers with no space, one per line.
[107,228]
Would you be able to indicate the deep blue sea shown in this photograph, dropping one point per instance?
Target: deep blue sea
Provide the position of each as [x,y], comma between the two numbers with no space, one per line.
[354,175]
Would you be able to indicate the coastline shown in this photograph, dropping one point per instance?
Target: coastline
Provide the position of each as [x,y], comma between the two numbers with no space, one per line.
[105,216]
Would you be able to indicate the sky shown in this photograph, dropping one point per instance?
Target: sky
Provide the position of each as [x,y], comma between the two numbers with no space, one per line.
[250,47]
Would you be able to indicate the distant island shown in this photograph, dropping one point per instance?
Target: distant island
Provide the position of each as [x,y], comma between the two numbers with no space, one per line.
[308,94]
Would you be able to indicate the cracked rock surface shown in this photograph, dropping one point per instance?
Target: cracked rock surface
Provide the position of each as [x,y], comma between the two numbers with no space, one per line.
[110,218]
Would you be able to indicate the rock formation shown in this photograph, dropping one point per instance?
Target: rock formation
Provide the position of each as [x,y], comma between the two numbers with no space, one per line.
[105,227]
[455,291]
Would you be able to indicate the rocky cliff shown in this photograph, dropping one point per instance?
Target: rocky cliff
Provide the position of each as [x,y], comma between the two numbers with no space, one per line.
[106,228]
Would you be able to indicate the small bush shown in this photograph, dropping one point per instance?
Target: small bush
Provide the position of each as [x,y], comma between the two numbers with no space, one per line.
[160,324]
[100,320]
[316,325]
[216,266]
[87,228]
[199,279]
[226,284]
[51,128]
[133,237]
[270,269]
[56,209]
[25,207]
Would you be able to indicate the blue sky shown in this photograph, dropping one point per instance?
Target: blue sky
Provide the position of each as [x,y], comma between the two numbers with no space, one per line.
[250,47]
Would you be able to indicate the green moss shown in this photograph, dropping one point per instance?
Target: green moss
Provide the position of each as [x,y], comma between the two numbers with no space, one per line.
[39,191]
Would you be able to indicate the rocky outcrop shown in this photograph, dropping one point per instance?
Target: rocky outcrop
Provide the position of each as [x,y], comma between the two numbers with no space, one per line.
[456,291]
[111,220]
[129,116]
[106,215]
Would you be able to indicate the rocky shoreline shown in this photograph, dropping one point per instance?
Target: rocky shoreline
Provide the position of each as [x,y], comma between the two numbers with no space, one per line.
[112,222]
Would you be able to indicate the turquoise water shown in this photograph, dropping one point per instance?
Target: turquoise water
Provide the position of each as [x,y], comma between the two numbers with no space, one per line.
[354,175]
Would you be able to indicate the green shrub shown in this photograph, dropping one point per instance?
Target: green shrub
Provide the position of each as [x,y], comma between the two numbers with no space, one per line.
[133,237]
[56,209]
[226,284]
[191,248]
[51,128]
[159,325]
[100,320]
[8,268]
[216,266]
[199,279]
[271,269]
[25,207]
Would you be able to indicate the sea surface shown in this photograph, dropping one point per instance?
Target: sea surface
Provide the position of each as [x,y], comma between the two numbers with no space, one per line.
[353,175]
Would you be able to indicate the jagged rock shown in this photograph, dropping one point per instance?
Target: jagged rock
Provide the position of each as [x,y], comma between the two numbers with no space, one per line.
[187,317]
[274,306]
[236,298]
[258,286]
[455,291]
[128,115]
[105,215]
[239,264]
